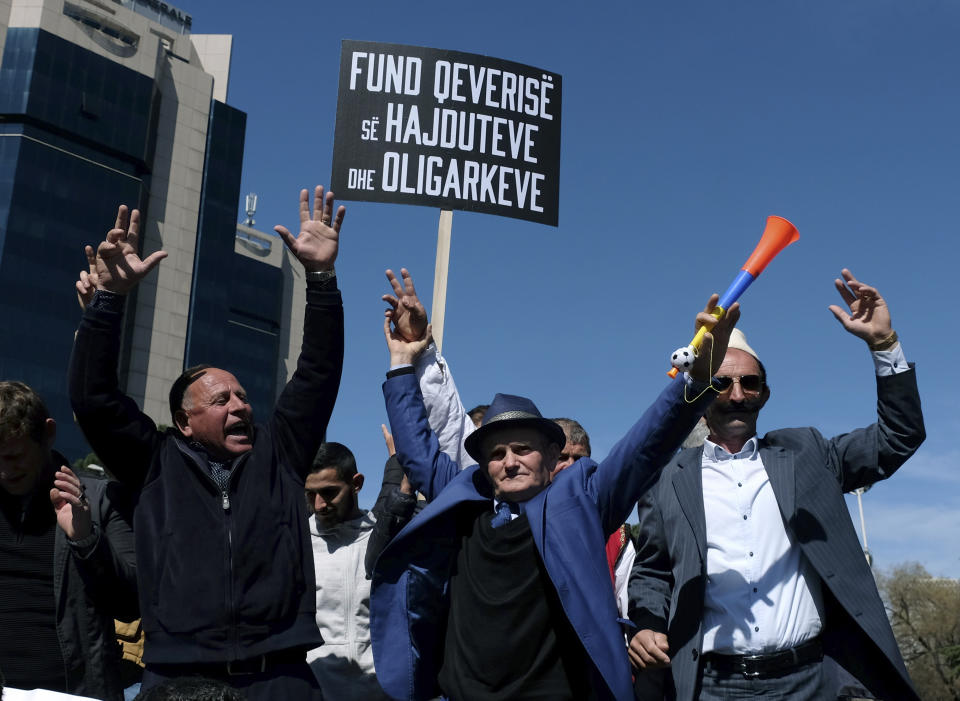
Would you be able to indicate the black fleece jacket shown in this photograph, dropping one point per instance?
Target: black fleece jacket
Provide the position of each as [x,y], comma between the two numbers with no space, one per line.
[222,575]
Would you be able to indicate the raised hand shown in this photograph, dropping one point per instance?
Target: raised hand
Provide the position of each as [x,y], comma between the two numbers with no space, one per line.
[406,312]
[69,500]
[869,316]
[317,244]
[87,284]
[714,345]
[405,485]
[388,439]
[118,266]
[402,351]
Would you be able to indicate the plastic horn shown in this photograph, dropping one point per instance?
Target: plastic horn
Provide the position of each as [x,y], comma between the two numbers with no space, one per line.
[778,234]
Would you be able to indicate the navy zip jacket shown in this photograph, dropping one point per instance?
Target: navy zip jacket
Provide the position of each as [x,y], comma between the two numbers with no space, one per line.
[222,575]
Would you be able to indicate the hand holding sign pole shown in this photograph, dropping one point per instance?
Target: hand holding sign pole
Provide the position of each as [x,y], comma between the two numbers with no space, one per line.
[778,234]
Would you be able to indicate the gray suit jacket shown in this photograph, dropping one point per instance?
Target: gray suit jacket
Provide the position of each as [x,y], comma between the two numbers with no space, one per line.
[809,475]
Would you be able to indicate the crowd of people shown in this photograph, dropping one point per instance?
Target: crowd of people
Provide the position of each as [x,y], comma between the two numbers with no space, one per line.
[495,563]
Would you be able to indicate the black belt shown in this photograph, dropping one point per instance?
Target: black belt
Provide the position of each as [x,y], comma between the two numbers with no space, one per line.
[767,665]
[251,665]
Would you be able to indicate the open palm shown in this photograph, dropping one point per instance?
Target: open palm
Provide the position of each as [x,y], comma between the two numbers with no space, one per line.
[318,242]
[118,264]
[869,316]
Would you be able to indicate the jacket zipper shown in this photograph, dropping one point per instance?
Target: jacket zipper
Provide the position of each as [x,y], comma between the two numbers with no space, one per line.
[225,503]
[226,506]
[231,602]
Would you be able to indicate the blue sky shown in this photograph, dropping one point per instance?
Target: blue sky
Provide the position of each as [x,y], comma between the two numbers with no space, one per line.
[684,125]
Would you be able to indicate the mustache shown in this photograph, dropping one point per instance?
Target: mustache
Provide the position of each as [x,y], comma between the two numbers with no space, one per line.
[751,405]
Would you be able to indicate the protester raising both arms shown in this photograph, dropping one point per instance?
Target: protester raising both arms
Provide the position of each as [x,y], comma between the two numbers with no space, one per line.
[224,557]
[749,571]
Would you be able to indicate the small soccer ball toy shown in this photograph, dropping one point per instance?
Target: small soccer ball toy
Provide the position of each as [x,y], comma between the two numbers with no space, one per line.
[683,358]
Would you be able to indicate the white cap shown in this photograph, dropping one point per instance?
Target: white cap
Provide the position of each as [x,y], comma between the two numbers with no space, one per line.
[739,341]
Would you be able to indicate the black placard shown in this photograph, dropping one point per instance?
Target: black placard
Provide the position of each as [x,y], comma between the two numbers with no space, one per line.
[447,129]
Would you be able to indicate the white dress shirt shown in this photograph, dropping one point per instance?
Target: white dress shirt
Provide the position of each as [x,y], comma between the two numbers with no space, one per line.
[761,593]
[758,597]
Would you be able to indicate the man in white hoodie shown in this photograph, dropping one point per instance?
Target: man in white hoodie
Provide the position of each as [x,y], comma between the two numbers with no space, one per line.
[341,530]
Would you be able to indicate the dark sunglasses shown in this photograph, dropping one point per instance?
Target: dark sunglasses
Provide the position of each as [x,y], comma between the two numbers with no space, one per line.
[750,384]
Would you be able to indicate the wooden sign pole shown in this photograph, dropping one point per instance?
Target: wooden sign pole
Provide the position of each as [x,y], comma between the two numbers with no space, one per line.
[440,275]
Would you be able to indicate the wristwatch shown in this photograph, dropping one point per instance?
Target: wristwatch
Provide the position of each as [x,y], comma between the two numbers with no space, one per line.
[321,275]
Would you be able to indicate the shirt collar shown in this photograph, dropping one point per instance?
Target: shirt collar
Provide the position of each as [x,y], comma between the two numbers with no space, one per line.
[718,453]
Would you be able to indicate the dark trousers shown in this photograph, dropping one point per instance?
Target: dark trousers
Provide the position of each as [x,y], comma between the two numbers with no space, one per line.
[293,680]
[805,683]
[650,684]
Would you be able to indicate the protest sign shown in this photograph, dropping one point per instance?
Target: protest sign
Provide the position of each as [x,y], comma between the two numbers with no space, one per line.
[447,129]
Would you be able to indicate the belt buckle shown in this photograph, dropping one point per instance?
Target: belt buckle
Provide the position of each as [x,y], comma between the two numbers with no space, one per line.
[243,671]
[746,669]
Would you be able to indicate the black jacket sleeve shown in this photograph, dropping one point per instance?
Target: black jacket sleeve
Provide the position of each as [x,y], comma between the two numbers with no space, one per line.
[300,419]
[107,560]
[393,511]
[122,436]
